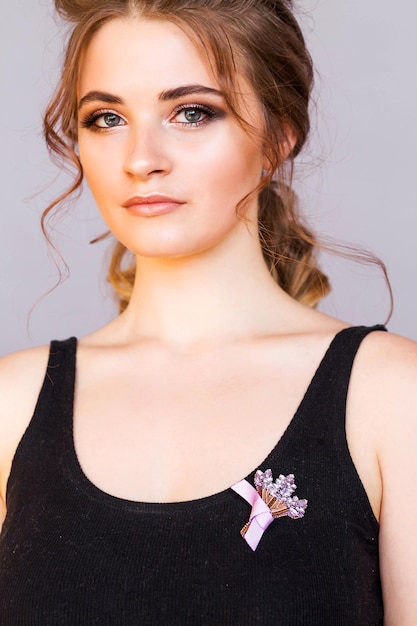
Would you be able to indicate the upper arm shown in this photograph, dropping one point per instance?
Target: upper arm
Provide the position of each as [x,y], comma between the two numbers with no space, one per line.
[398,460]
[21,376]
[387,393]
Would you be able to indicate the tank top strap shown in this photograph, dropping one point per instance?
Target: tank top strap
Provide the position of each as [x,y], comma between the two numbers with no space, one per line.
[52,418]
[44,445]
[314,447]
[56,397]
[329,386]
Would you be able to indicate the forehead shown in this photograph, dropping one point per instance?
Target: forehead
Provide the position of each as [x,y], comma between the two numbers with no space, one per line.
[135,51]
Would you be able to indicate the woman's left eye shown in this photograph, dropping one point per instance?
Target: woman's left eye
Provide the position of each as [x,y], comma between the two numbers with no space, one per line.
[194,115]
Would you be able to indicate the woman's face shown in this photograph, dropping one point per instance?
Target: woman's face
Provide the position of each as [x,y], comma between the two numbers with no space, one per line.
[165,160]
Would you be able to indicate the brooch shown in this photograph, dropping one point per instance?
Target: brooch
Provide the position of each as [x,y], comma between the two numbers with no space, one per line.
[269,501]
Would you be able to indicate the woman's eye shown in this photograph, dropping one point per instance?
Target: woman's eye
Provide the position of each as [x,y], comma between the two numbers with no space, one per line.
[101,121]
[193,115]
[108,120]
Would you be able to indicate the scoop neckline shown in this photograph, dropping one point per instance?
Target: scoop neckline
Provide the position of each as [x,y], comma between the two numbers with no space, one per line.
[82,482]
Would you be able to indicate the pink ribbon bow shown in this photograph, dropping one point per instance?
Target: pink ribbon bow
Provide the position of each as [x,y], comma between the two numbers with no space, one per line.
[260,517]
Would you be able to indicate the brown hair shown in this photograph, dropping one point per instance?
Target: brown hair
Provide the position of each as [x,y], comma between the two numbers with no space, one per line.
[263,40]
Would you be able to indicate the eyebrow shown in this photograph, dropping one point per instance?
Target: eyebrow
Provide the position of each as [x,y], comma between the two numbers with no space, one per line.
[164,96]
[99,96]
[187,90]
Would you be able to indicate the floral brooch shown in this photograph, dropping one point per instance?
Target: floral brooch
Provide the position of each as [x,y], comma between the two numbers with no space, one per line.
[269,500]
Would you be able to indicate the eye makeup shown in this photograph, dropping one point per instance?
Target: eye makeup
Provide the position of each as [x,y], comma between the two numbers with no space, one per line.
[91,120]
[194,115]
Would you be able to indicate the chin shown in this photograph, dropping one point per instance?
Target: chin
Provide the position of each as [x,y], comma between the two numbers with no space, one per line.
[167,245]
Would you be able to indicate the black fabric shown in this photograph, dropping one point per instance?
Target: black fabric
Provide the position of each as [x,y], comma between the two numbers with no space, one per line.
[72,554]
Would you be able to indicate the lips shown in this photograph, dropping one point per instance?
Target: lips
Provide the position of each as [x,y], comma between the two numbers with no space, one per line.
[152,205]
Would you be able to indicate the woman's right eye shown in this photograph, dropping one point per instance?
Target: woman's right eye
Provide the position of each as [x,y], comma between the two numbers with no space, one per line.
[108,120]
[101,121]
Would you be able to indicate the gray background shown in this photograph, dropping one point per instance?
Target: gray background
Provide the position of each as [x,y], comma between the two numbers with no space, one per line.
[357,180]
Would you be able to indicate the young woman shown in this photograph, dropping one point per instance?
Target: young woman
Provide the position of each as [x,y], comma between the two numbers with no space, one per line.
[147,470]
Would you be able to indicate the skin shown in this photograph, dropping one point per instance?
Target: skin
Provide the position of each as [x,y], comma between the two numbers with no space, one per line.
[208,340]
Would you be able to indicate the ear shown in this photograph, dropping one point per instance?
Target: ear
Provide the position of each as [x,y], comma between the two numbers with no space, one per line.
[287,143]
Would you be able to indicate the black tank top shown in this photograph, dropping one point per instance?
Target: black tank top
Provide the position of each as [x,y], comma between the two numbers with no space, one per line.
[72,554]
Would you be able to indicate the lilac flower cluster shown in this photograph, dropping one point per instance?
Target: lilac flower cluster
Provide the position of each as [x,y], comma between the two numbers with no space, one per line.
[282,490]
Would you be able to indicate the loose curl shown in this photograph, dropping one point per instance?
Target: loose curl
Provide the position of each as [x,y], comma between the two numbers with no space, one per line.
[262,40]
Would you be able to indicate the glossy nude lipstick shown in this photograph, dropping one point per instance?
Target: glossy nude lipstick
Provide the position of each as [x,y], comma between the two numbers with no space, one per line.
[152,205]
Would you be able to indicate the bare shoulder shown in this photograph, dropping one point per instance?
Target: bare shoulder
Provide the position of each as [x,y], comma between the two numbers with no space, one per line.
[21,377]
[21,374]
[380,344]
[386,369]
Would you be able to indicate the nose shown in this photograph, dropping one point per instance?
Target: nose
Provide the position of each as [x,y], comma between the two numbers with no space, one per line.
[146,152]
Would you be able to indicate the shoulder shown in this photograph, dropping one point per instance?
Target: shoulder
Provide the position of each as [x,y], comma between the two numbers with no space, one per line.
[21,377]
[20,372]
[385,370]
[381,344]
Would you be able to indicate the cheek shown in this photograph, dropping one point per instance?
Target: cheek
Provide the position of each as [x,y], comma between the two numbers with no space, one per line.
[241,157]
[236,172]
[99,171]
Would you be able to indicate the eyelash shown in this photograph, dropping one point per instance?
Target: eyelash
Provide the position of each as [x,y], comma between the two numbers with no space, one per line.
[90,120]
[209,112]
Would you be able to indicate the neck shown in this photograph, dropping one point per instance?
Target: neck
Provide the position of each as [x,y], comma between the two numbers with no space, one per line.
[205,298]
